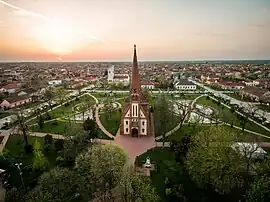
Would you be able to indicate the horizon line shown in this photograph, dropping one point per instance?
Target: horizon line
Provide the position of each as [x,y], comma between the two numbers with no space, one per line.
[129,61]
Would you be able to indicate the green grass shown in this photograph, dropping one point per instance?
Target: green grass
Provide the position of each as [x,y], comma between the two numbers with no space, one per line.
[162,157]
[111,124]
[116,95]
[4,114]
[31,104]
[264,107]
[60,128]
[15,146]
[192,129]
[101,135]
[227,116]
[65,110]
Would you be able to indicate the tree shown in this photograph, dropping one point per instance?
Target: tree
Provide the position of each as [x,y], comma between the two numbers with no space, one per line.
[58,185]
[48,96]
[108,107]
[40,162]
[41,122]
[163,115]
[212,161]
[23,128]
[61,94]
[100,168]
[90,126]
[133,187]
[259,190]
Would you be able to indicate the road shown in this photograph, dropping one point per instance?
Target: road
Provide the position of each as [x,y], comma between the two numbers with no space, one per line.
[246,105]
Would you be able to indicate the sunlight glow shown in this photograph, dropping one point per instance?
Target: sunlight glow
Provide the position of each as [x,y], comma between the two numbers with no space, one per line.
[59,38]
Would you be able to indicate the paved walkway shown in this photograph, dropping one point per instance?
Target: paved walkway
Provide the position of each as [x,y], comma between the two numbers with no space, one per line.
[101,127]
[179,125]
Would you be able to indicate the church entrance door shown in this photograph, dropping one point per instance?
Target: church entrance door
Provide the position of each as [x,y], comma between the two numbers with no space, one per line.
[134,132]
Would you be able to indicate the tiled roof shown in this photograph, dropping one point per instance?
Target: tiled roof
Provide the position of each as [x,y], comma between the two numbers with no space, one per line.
[185,82]
[10,86]
[232,84]
[147,83]
[120,77]
[13,99]
[255,91]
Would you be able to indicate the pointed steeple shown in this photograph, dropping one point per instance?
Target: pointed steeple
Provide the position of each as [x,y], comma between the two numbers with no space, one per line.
[135,86]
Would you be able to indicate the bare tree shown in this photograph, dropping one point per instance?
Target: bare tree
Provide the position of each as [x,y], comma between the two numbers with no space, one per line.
[49,95]
[61,94]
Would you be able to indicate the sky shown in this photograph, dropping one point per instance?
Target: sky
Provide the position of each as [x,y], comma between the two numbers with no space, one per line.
[105,30]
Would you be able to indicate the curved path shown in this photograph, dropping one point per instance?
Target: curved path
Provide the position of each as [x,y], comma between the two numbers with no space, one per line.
[101,127]
[176,128]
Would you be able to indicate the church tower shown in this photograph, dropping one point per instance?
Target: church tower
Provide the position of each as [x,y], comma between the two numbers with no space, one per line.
[136,117]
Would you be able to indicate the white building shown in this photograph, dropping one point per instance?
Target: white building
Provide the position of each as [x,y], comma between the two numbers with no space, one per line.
[147,84]
[185,85]
[55,83]
[117,78]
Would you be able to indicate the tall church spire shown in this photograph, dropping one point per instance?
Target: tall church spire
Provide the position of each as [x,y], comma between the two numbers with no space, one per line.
[135,86]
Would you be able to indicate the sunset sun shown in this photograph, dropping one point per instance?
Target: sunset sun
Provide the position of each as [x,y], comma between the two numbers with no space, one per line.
[59,38]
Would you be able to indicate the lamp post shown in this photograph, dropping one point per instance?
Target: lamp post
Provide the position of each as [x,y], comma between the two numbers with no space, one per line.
[19,168]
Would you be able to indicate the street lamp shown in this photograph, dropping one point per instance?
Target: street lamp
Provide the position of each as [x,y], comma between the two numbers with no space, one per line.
[19,168]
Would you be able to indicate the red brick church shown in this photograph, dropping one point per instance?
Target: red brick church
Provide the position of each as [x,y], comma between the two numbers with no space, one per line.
[136,119]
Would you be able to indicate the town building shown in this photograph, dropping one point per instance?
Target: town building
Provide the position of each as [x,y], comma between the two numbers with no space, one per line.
[9,88]
[148,84]
[114,78]
[185,85]
[15,101]
[255,93]
[136,119]
[232,85]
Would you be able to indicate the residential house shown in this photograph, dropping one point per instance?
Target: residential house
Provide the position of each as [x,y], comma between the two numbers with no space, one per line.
[252,83]
[75,84]
[185,85]
[147,84]
[264,82]
[9,88]
[232,85]
[29,91]
[255,93]
[15,101]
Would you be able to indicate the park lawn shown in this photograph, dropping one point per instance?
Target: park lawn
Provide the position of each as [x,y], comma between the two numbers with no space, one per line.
[187,129]
[161,156]
[31,104]
[227,116]
[263,107]
[56,127]
[185,97]
[111,124]
[65,110]
[116,95]
[15,147]
[4,114]
[101,135]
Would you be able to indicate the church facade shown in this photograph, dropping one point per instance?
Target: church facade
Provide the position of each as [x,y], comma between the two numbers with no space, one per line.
[136,119]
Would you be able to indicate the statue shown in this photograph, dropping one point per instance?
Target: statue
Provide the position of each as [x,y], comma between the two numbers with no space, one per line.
[147,163]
